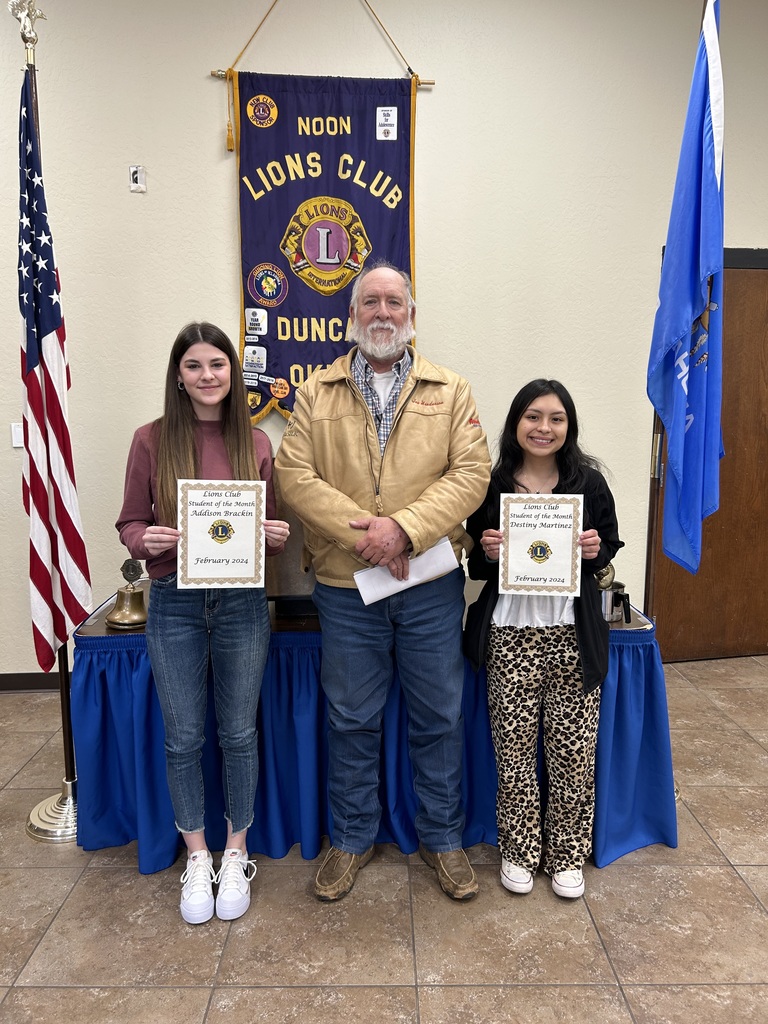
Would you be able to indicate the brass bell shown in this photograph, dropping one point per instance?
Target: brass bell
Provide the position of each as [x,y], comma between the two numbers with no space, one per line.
[605,577]
[129,611]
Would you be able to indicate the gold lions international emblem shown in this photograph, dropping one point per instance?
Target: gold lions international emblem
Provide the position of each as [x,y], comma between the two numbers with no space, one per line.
[326,244]
[262,111]
[539,551]
[221,531]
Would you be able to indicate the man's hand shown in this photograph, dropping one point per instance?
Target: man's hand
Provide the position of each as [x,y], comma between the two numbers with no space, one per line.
[384,540]
[399,567]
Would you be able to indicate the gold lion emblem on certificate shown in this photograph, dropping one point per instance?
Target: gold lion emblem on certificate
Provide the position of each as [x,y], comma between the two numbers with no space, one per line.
[221,531]
[539,551]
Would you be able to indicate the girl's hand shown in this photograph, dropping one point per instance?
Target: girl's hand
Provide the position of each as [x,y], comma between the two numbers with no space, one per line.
[276,532]
[158,539]
[590,544]
[490,542]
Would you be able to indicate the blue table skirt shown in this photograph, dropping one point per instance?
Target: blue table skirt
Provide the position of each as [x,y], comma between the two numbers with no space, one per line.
[122,792]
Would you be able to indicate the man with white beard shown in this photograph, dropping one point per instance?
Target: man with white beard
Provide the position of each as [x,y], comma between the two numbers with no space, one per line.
[383,456]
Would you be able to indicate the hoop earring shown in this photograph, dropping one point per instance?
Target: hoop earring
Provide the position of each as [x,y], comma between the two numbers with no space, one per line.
[180,385]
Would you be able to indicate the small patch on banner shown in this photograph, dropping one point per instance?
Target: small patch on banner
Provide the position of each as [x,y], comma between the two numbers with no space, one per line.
[386,124]
[262,111]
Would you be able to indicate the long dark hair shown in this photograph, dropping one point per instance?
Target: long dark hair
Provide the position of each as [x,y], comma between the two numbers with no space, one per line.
[572,461]
[176,450]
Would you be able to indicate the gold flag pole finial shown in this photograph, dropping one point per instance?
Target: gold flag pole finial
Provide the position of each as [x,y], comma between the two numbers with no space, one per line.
[26,13]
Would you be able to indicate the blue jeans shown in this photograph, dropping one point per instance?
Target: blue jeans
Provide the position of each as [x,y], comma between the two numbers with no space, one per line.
[186,631]
[420,630]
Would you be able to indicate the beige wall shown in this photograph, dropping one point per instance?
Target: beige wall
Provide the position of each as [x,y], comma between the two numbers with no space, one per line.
[545,161]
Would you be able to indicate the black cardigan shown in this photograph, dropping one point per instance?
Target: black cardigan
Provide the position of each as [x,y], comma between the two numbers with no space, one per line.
[592,631]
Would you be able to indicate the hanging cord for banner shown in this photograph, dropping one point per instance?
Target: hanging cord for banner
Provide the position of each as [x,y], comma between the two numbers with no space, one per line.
[236,61]
[228,75]
[409,69]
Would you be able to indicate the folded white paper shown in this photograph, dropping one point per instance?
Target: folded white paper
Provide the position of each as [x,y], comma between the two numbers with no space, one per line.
[377,582]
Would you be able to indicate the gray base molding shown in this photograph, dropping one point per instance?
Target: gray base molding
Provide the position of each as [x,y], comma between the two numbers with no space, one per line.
[11,682]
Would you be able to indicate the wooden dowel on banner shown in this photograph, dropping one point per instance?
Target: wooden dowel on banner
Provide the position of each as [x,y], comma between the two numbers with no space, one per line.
[222,74]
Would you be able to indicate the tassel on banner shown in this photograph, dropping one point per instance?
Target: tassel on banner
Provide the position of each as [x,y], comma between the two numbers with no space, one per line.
[230,133]
[227,75]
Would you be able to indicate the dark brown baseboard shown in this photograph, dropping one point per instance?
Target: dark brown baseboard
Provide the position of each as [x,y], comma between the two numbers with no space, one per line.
[18,681]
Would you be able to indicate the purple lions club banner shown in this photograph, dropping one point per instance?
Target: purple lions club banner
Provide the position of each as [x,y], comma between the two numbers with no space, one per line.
[325,176]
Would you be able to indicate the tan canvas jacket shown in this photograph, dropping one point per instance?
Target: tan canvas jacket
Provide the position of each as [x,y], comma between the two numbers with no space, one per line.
[433,474]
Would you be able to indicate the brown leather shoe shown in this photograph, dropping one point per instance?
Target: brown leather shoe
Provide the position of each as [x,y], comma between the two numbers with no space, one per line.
[338,872]
[454,872]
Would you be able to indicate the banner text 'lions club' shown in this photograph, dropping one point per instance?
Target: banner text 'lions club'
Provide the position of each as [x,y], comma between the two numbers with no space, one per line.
[325,179]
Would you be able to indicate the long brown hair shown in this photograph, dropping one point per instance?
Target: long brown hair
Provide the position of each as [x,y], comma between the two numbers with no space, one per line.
[177,457]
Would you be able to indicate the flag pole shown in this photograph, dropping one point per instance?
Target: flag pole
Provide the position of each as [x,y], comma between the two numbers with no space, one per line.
[653,515]
[53,820]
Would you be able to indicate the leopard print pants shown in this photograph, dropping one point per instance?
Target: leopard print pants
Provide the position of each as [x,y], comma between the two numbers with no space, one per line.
[533,672]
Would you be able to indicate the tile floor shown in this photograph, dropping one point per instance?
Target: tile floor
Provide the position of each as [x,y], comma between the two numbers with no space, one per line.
[678,936]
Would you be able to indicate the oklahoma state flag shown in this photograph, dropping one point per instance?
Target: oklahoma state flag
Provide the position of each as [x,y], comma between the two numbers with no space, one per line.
[325,173]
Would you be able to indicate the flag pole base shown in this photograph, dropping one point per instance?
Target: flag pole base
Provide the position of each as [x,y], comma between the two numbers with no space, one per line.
[54,820]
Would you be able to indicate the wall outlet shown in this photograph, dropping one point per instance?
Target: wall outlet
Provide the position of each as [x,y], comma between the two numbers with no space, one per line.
[138,178]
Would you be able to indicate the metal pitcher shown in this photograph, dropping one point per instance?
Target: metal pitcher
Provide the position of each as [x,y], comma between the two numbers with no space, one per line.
[615,602]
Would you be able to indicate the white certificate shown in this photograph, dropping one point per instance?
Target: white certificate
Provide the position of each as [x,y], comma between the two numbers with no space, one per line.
[378,582]
[222,538]
[541,553]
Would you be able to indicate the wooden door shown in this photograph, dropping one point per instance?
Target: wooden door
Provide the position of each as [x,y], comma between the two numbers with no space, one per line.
[722,611]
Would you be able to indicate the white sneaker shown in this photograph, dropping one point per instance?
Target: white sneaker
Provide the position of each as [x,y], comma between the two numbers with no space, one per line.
[197,890]
[568,883]
[234,878]
[515,878]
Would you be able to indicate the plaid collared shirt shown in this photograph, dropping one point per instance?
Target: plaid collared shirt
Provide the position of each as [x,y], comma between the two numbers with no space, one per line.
[362,373]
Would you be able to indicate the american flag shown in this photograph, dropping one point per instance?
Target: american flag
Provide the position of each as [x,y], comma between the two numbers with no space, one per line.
[60,584]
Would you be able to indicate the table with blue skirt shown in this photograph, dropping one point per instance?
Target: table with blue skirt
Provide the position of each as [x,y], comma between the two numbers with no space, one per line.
[122,793]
